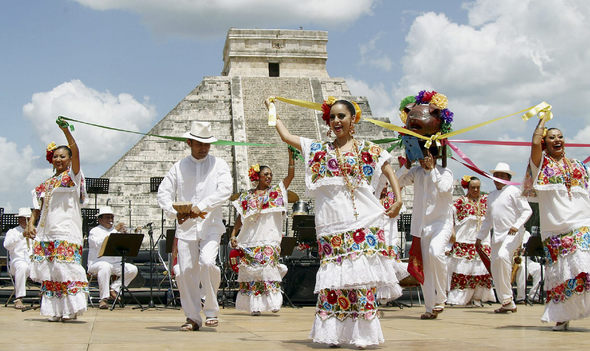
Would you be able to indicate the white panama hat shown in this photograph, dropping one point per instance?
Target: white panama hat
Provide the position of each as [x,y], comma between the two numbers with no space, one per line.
[104,210]
[502,167]
[200,131]
[24,212]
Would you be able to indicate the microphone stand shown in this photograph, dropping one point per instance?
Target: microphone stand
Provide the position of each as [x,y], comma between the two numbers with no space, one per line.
[151,234]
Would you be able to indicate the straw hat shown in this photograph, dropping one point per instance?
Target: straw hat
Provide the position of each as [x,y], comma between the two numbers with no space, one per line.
[502,167]
[24,212]
[105,210]
[200,131]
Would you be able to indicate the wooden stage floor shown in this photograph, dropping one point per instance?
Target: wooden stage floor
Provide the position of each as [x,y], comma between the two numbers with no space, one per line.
[157,329]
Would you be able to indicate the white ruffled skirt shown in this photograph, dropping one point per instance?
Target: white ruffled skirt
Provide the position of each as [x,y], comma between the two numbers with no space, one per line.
[260,277]
[353,267]
[567,280]
[64,286]
[469,280]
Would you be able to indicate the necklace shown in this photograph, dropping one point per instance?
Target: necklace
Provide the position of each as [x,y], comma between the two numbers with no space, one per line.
[566,170]
[355,173]
[478,209]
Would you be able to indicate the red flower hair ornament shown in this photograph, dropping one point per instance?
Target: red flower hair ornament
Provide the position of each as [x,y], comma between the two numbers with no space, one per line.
[49,152]
[327,106]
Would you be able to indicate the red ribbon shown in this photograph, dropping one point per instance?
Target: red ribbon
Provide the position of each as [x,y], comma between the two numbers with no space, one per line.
[469,164]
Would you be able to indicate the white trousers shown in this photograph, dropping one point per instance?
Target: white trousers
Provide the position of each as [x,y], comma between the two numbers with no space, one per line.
[20,271]
[196,263]
[104,270]
[501,263]
[534,270]
[436,275]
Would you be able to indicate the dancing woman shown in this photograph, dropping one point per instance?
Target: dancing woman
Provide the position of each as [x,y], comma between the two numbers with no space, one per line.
[57,249]
[261,213]
[470,281]
[561,185]
[341,175]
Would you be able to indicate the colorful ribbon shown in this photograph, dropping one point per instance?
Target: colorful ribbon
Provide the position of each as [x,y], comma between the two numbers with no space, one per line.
[218,142]
[471,165]
[542,110]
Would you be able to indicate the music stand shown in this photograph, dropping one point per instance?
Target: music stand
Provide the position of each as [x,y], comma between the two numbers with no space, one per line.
[97,186]
[124,245]
[534,247]
[9,221]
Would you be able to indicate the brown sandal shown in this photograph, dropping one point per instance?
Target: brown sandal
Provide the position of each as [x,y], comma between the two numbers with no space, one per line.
[211,322]
[189,325]
[505,310]
[428,315]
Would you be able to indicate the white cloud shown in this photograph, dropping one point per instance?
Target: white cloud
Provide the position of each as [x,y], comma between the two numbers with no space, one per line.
[372,55]
[379,97]
[20,174]
[509,56]
[75,100]
[199,18]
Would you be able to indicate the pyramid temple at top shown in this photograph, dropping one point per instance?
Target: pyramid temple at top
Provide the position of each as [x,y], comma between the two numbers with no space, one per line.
[256,64]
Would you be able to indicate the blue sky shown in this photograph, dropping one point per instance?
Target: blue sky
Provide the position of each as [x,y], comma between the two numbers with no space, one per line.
[118,63]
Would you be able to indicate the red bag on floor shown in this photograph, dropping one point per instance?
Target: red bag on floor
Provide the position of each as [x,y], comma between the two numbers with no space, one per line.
[415,267]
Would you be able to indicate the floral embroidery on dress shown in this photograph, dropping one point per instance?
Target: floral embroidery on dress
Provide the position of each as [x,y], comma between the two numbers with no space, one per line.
[323,161]
[253,204]
[260,256]
[352,244]
[467,251]
[62,289]
[388,200]
[57,251]
[467,207]
[578,285]
[567,243]
[553,173]
[257,288]
[463,281]
[347,303]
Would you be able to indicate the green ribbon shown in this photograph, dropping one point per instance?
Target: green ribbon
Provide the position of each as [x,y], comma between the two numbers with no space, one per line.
[63,119]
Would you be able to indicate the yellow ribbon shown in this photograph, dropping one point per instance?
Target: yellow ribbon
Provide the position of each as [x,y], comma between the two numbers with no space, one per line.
[434,138]
[542,110]
[302,103]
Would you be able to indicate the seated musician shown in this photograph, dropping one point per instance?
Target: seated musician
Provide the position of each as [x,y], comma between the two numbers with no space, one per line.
[106,266]
[20,256]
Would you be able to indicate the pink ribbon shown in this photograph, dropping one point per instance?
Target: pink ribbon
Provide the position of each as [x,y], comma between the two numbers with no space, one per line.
[509,143]
[469,164]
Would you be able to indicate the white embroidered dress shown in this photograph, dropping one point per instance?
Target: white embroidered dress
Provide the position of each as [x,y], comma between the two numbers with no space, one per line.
[353,252]
[468,277]
[57,249]
[565,231]
[259,240]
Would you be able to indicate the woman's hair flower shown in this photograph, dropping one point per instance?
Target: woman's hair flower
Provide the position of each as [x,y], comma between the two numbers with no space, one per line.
[326,107]
[254,172]
[49,152]
[465,181]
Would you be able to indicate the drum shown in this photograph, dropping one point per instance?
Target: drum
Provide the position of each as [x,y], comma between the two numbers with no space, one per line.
[301,208]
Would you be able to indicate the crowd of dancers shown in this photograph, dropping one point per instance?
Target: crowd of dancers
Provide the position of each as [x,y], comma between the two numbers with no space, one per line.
[357,196]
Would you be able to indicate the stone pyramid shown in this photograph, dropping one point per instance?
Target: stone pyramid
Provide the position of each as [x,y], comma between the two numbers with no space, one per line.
[257,64]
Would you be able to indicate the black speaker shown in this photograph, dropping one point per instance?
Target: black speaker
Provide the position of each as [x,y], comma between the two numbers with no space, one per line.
[299,281]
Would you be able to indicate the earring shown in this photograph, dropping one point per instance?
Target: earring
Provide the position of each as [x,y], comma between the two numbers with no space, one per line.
[329,133]
[352,131]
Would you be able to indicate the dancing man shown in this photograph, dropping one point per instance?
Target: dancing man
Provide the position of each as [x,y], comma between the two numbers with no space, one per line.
[205,181]
[105,266]
[507,213]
